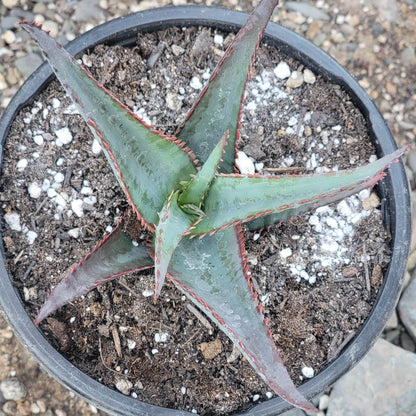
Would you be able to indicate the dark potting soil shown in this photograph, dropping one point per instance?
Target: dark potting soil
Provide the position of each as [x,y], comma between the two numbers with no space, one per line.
[317,276]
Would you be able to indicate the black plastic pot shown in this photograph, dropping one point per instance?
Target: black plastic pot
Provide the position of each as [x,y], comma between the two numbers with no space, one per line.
[393,191]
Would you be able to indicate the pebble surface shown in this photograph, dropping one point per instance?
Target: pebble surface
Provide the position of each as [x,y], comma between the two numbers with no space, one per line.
[375,42]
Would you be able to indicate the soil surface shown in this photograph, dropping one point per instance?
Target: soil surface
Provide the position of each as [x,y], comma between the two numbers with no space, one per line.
[167,354]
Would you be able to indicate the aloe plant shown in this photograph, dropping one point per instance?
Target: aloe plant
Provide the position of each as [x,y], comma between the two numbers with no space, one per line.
[196,208]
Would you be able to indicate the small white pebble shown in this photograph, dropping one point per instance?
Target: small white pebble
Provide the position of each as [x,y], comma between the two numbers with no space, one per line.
[109,228]
[86,190]
[34,190]
[312,280]
[324,210]
[74,232]
[343,208]
[55,103]
[46,185]
[64,136]
[206,75]
[364,194]
[195,83]
[244,164]
[292,121]
[161,337]
[282,70]
[124,386]
[256,397]
[76,206]
[72,319]
[146,293]
[269,394]
[96,147]
[51,193]
[265,85]
[251,106]
[288,161]
[313,220]
[308,76]
[131,344]
[59,177]
[308,372]
[313,163]
[38,139]
[13,221]
[60,162]
[218,39]
[90,200]
[60,200]
[295,80]
[31,237]
[21,165]
[155,351]
[259,166]
[71,109]
[286,252]
[325,262]
[332,222]
[183,390]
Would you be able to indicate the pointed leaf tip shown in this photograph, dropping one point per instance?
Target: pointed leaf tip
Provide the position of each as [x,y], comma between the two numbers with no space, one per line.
[233,199]
[221,289]
[114,256]
[219,105]
[173,225]
[198,186]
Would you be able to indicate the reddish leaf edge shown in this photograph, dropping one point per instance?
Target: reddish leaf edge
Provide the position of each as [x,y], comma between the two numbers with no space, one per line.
[178,142]
[292,395]
[227,54]
[162,258]
[370,183]
[43,311]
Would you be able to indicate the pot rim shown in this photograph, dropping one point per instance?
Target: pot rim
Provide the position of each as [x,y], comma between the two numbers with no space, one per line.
[394,190]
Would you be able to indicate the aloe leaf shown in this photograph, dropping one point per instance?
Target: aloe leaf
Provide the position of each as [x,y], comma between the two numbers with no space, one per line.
[173,224]
[236,198]
[197,187]
[133,150]
[219,286]
[218,107]
[116,255]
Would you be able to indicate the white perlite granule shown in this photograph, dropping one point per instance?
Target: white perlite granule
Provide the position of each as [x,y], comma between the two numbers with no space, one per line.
[64,136]
[332,229]
[244,164]
[308,372]
[13,221]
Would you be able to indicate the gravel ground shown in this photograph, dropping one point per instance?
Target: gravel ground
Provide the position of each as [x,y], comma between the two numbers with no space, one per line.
[374,40]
